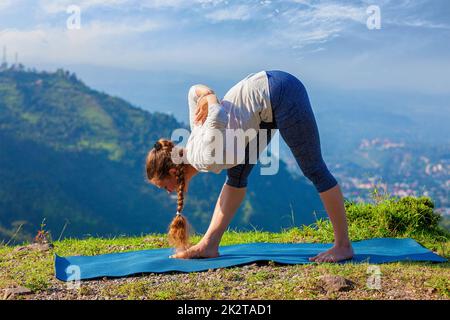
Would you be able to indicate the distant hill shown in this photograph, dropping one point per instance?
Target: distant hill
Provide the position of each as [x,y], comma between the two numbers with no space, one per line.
[75,156]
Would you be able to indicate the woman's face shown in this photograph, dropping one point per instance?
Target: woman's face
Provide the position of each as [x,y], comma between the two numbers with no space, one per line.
[169,183]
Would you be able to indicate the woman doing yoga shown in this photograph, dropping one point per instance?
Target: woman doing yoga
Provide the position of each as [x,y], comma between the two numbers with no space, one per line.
[264,100]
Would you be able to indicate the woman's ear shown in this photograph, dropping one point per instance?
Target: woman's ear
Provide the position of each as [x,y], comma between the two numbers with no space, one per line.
[173,172]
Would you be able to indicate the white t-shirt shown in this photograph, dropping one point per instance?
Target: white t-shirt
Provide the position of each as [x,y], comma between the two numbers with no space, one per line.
[244,106]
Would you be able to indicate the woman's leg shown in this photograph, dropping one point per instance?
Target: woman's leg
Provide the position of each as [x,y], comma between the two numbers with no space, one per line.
[297,125]
[237,176]
[333,202]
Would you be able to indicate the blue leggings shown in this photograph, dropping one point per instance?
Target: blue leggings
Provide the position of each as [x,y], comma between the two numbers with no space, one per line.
[294,118]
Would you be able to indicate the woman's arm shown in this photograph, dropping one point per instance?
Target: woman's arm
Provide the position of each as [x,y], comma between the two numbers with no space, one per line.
[215,136]
[228,203]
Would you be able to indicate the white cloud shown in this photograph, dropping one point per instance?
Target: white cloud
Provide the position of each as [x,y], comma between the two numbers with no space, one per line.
[5,4]
[51,6]
[418,23]
[335,12]
[98,29]
[98,42]
[306,29]
[314,24]
[240,12]
[155,4]
[108,44]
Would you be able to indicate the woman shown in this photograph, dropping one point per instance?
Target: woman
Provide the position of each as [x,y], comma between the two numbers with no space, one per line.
[267,99]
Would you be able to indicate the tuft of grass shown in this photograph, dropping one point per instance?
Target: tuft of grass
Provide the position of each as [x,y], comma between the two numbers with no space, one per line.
[134,290]
[390,217]
[33,270]
[442,285]
[260,276]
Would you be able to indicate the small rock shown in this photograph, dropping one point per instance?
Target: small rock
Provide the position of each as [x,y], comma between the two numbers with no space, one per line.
[35,247]
[336,283]
[10,293]
[392,294]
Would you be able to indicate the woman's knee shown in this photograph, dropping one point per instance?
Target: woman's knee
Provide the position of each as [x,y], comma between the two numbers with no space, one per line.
[321,177]
[237,176]
[237,183]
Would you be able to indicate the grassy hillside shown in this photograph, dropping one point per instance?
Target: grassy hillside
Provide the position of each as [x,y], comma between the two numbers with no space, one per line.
[75,157]
[408,217]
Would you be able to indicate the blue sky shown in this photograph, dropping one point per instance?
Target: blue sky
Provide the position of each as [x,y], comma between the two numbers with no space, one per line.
[150,51]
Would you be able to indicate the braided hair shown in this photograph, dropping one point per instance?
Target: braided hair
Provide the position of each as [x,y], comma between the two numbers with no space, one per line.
[158,163]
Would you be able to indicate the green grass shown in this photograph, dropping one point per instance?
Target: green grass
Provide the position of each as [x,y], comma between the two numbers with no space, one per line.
[400,218]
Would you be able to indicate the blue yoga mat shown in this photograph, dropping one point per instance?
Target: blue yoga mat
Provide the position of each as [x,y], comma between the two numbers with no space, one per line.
[157,260]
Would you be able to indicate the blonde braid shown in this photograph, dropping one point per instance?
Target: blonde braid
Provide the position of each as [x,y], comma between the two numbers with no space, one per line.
[179,228]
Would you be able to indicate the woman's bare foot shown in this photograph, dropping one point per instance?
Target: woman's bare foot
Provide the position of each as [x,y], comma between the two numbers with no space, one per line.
[334,254]
[197,251]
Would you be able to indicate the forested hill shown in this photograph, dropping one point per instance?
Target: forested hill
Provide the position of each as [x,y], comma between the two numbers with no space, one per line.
[75,156]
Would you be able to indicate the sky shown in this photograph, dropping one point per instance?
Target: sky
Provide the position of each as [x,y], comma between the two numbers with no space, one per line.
[150,51]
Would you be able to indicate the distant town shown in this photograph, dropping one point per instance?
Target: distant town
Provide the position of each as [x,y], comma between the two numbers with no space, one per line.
[399,170]
[394,168]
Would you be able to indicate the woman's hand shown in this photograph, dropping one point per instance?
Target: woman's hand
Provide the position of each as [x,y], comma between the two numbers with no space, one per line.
[202,90]
[201,113]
